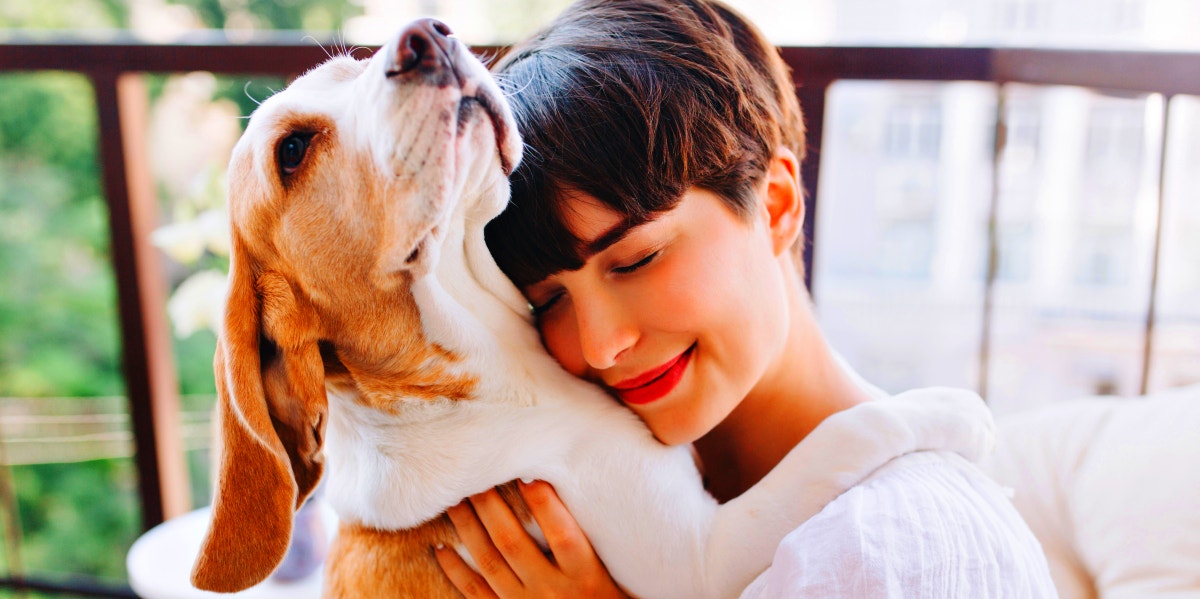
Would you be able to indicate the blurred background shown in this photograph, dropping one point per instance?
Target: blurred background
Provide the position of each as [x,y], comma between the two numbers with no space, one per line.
[1027,274]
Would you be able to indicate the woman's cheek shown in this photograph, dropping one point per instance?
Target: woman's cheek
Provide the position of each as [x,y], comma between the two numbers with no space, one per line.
[561,340]
[679,286]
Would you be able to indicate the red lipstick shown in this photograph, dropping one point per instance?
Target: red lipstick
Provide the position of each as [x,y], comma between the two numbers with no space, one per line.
[654,384]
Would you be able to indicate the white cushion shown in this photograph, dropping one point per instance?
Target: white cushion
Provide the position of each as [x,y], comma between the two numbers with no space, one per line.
[1111,488]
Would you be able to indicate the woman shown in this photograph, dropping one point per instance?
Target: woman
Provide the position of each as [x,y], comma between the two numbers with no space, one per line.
[652,227]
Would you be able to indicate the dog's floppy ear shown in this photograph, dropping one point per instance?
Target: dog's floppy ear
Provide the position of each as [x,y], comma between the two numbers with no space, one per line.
[271,411]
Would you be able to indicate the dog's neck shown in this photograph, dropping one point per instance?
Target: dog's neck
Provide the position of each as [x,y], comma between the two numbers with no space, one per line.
[471,308]
[455,323]
[382,428]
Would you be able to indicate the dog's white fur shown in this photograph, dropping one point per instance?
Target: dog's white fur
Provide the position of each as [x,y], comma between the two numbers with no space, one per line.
[396,460]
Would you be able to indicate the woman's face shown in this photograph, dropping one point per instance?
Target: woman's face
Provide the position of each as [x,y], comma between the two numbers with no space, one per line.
[679,317]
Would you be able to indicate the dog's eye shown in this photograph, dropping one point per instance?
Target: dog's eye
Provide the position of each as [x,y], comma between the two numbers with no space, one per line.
[291,151]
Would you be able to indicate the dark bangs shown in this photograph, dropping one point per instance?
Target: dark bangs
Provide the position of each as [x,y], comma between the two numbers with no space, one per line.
[631,103]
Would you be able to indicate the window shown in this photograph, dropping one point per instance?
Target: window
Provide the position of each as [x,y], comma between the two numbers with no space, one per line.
[914,130]
[1021,16]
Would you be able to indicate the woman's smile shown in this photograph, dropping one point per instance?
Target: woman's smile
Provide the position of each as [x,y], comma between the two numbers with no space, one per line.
[655,383]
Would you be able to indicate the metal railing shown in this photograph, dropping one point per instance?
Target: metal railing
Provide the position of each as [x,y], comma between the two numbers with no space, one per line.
[114,70]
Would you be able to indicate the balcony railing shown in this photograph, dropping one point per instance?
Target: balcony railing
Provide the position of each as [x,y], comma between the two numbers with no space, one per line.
[115,70]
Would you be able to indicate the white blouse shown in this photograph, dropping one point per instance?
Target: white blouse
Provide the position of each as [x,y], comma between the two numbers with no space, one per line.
[925,525]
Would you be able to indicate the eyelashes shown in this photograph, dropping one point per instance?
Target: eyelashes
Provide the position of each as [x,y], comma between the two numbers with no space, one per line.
[541,308]
[545,305]
[636,265]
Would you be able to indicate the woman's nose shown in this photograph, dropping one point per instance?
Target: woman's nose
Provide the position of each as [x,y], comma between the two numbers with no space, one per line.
[606,331]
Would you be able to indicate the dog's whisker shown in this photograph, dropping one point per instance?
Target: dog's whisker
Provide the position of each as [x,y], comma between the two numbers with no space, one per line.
[328,54]
[246,90]
[316,42]
[487,57]
[532,154]
[339,42]
[348,50]
[508,93]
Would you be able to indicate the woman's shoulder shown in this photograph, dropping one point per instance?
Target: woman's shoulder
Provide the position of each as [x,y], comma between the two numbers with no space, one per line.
[925,491]
[937,494]
[924,524]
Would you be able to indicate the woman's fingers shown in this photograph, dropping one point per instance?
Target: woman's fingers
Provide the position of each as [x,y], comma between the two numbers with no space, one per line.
[488,560]
[567,542]
[508,535]
[510,564]
[467,581]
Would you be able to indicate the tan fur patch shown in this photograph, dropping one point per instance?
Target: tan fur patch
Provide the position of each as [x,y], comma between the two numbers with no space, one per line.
[366,562]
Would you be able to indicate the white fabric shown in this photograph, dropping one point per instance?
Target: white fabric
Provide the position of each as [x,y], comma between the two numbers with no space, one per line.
[927,525]
[924,525]
[1111,488]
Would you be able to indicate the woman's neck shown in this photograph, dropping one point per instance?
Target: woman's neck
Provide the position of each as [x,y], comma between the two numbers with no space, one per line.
[804,385]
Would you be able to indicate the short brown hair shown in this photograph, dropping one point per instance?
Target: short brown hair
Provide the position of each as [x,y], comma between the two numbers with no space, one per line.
[633,102]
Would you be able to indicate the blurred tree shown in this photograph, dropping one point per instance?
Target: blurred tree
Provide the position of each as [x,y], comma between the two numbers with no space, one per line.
[310,15]
[59,333]
[64,14]
[58,329]
[516,19]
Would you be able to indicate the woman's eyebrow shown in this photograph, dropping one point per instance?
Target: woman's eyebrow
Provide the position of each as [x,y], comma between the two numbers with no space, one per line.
[606,239]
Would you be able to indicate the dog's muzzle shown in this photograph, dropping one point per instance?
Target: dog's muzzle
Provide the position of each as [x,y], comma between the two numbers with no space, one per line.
[425,50]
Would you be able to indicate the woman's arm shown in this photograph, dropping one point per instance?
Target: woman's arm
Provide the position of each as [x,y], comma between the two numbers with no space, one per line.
[510,563]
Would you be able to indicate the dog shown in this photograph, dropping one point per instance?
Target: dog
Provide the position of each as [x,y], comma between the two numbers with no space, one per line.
[368,328]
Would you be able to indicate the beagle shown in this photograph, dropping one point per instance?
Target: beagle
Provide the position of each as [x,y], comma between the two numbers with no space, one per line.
[368,332]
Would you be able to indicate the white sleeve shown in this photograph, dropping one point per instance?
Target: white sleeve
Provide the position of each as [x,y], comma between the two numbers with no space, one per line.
[926,525]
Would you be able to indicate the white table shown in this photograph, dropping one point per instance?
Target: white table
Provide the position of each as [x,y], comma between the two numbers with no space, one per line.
[160,563]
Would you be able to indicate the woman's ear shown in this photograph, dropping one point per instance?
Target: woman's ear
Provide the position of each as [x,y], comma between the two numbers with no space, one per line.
[784,199]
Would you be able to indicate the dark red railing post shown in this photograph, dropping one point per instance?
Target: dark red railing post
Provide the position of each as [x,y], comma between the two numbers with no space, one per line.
[147,360]
[812,102]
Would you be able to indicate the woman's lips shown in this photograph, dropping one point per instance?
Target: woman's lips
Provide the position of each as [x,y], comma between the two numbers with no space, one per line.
[654,384]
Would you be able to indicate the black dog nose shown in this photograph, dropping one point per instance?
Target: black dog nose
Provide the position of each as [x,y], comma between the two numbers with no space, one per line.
[424,47]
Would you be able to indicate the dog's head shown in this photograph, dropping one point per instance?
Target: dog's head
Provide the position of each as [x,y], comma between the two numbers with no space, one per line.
[340,190]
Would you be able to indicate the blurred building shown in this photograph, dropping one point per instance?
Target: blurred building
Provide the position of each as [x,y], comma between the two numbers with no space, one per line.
[901,256]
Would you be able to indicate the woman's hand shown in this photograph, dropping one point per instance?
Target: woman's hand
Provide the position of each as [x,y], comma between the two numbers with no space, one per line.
[510,562]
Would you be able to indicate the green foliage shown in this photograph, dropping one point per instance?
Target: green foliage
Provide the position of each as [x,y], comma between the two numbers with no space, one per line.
[63,14]
[58,328]
[293,14]
[59,331]
[58,323]
[513,24]
[77,518]
[195,369]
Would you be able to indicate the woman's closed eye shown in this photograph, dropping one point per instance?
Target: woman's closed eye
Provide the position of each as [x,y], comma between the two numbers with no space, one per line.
[636,265]
[542,300]
[540,307]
